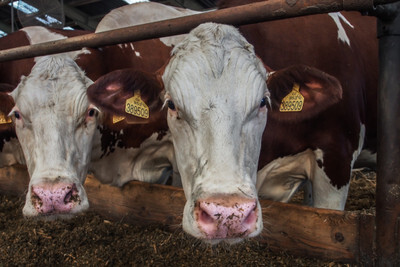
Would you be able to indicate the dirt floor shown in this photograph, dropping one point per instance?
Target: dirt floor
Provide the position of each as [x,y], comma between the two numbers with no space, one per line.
[91,240]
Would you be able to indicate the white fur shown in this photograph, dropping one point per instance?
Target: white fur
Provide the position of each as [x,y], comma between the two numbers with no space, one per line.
[152,162]
[141,13]
[338,18]
[38,34]
[11,153]
[282,177]
[216,83]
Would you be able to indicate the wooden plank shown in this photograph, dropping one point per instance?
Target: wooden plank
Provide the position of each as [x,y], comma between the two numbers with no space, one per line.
[137,202]
[302,231]
[307,231]
[14,180]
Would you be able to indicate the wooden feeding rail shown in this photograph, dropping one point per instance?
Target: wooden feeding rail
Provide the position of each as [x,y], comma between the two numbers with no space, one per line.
[345,236]
[305,231]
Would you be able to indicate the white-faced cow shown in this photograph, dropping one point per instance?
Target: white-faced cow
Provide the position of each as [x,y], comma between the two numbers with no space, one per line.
[216,93]
[52,119]
[56,133]
[214,87]
[55,125]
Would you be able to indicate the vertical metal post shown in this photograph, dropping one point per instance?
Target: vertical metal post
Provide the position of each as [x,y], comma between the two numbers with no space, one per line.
[388,182]
[12,16]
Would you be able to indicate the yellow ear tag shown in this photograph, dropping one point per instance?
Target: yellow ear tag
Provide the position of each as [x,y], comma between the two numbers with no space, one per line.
[136,106]
[117,118]
[4,119]
[293,102]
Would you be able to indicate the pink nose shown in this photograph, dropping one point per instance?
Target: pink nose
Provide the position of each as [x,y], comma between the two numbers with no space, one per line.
[54,198]
[226,217]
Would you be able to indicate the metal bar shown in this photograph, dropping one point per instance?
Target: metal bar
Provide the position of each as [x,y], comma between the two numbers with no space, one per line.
[388,179]
[247,14]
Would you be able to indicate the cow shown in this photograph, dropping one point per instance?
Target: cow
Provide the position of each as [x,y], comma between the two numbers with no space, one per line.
[286,42]
[321,149]
[58,163]
[148,55]
[117,148]
[53,120]
[215,93]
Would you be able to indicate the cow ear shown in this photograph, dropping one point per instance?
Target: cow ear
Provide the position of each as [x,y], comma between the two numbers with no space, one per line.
[7,103]
[127,95]
[318,89]
[6,100]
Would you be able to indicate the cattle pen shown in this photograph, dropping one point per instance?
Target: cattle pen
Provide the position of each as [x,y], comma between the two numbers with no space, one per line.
[336,235]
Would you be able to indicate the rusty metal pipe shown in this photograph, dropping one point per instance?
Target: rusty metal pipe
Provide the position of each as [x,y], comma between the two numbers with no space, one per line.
[247,14]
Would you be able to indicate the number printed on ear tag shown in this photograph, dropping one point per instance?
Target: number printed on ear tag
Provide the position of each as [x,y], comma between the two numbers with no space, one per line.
[4,119]
[293,102]
[136,106]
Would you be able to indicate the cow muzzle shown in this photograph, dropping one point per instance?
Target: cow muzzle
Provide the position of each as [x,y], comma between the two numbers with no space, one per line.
[226,217]
[55,198]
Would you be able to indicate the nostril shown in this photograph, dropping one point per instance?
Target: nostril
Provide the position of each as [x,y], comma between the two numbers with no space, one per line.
[205,218]
[71,195]
[251,218]
[68,197]
[36,200]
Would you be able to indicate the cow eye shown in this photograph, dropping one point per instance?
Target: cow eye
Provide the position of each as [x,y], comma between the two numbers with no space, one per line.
[171,105]
[92,112]
[263,102]
[17,115]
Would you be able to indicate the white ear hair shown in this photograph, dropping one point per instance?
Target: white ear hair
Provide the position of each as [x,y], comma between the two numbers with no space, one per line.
[14,93]
[88,81]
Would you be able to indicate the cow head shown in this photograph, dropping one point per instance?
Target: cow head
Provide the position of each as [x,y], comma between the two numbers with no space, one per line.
[217,109]
[216,96]
[55,125]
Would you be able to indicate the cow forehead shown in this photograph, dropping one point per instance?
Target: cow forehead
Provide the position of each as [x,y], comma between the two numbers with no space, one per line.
[55,82]
[215,64]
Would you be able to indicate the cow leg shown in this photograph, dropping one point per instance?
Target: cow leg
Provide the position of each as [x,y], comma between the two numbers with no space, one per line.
[308,195]
[325,194]
[281,178]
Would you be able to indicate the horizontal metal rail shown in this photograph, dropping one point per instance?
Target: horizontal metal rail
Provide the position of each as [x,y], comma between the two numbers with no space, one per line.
[247,14]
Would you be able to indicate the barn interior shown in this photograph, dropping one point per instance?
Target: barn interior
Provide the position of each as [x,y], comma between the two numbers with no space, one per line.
[72,14]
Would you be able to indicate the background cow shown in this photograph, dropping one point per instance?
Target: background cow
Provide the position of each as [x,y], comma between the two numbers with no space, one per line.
[322,148]
[149,156]
[293,41]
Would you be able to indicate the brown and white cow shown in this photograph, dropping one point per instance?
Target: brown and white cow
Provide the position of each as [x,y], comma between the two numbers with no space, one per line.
[316,145]
[149,155]
[215,89]
[148,55]
[53,120]
[320,149]
[56,138]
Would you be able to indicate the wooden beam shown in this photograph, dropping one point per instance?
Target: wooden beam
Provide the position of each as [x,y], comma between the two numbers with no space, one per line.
[388,176]
[80,18]
[302,231]
[251,13]
[76,3]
